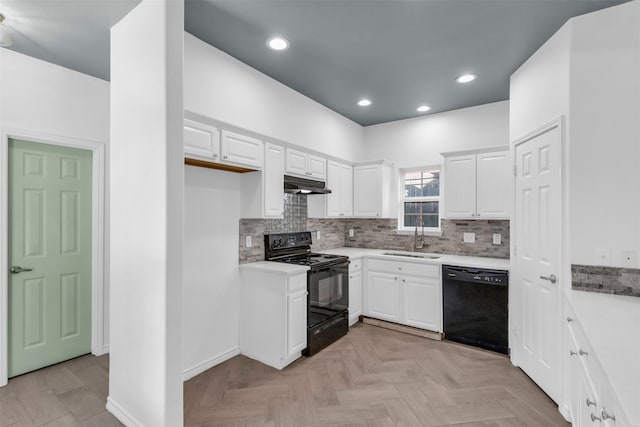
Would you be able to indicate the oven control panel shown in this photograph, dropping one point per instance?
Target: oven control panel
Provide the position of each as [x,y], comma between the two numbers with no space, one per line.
[287,240]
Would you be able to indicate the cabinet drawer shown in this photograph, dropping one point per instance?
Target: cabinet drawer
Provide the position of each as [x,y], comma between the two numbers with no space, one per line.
[297,283]
[425,270]
[355,265]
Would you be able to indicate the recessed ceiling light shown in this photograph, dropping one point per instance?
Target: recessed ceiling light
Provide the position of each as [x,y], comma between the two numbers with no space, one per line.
[278,43]
[466,78]
[423,108]
[364,102]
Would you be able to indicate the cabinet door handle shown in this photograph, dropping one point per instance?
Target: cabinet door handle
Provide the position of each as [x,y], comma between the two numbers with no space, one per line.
[583,353]
[395,278]
[215,156]
[404,280]
[607,416]
[400,268]
[569,319]
[572,353]
[552,278]
[590,403]
[594,418]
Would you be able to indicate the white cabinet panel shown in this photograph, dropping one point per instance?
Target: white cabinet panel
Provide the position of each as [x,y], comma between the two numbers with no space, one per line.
[422,303]
[346,190]
[355,293]
[297,322]
[334,183]
[494,189]
[241,149]
[371,191]
[296,162]
[305,165]
[273,181]
[201,141]
[460,186]
[383,296]
[317,167]
[338,203]
[478,186]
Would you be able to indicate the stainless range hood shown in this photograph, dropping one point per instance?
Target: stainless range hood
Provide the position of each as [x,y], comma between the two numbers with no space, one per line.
[295,185]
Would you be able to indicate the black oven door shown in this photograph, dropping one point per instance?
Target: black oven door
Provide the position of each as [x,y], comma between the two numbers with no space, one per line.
[328,293]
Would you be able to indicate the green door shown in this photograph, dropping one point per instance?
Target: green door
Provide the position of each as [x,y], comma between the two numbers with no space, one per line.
[49,255]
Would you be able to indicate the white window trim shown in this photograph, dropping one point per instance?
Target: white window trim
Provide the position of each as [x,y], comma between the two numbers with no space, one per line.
[428,231]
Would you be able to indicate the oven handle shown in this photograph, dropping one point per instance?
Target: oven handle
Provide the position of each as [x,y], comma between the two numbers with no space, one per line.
[343,265]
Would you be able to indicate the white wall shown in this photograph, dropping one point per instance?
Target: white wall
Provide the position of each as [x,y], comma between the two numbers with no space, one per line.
[212,205]
[419,141]
[145,374]
[52,103]
[605,134]
[539,91]
[223,88]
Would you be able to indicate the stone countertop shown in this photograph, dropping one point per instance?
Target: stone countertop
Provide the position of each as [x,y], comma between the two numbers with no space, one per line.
[458,260]
[275,267]
[612,326]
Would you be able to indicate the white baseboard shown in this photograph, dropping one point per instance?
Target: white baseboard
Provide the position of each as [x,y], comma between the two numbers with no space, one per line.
[209,363]
[122,415]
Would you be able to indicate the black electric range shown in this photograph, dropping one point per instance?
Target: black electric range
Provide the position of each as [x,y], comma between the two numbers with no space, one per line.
[327,286]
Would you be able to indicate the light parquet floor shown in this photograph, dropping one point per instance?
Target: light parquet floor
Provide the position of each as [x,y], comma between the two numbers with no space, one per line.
[372,377]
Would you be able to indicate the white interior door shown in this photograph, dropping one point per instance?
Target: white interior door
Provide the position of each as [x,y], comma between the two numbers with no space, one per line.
[536,284]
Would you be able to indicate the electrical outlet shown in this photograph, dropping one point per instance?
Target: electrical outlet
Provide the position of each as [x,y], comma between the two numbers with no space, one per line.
[318,235]
[629,258]
[247,241]
[469,237]
[352,233]
[603,256]
[497,238]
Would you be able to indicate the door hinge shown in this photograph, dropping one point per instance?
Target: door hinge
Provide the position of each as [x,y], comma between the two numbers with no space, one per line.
[515,170]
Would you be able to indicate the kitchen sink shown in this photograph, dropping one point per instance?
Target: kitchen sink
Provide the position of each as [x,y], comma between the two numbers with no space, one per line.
[423,256]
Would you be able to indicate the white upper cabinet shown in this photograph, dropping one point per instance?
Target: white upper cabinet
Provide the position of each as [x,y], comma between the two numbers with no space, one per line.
[201,141]
[207,143]
[241,149]
[338,203]
[273,180]
[372,190]
[306,165]
[478,186]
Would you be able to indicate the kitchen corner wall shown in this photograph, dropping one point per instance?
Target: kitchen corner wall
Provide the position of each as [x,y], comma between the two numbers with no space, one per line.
[371,233]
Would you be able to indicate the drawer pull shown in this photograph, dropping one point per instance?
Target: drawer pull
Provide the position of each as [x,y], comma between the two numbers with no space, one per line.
[607,416]
[590,402]
[583,353]
[569,319]
[594,418]
[572,353]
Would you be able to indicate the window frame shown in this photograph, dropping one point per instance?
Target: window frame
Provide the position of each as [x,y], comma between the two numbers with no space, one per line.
[402,229]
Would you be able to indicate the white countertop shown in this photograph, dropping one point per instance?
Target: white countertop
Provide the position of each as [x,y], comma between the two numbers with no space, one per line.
[464,261]
[612,326]
[275,267]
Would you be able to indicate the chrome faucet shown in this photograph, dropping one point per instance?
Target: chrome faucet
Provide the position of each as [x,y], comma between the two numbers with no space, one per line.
[418,241]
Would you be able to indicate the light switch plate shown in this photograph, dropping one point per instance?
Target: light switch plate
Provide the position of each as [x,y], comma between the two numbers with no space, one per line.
[629,258]
[351,232]
[318,235]
[469,237]
[247,241]
[497,238]
[603,256]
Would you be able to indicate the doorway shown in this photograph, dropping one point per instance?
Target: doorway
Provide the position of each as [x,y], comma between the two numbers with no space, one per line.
[73,298]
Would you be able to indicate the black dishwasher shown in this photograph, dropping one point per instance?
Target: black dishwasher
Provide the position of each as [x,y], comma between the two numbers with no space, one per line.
[476,307]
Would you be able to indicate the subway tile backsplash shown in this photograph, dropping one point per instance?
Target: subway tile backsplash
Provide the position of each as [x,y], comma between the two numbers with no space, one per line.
[371,233]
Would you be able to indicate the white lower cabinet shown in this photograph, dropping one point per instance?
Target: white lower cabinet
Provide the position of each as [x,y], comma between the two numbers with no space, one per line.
[355,290]
[590,395]
[273,313]
[404,292]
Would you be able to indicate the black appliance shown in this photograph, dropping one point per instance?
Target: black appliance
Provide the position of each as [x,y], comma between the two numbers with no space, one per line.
[476,307]
[327,286]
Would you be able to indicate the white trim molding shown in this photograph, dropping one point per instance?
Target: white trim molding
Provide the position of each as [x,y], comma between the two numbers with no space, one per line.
[98,346]
[191,372]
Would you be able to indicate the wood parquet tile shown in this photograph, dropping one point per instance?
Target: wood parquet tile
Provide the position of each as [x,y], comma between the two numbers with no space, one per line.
[373,377]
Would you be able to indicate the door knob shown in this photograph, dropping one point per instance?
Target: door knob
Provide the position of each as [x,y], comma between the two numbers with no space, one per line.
[17,269]
[552,278]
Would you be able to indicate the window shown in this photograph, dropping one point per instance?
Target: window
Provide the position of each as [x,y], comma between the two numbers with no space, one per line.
[420,198]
